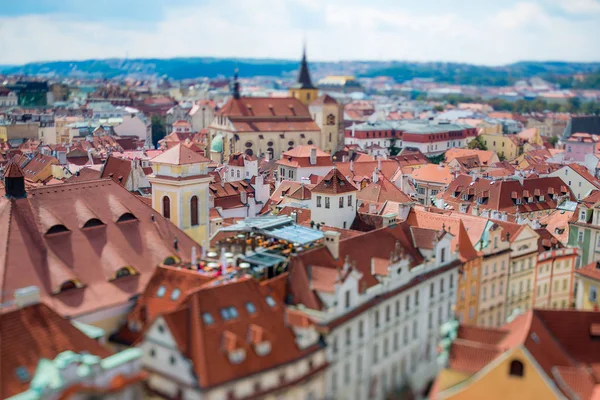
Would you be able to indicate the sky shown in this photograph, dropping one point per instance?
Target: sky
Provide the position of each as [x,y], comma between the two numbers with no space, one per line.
[489,32]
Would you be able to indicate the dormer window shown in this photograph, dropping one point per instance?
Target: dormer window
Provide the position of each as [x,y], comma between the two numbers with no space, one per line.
[229,313]
[93,222]
[583,216]
[124,272]
[68,285]
[56,229]
[208,318]
[126,217]
[175,294]
[161,291]
[250,307]
[270,301]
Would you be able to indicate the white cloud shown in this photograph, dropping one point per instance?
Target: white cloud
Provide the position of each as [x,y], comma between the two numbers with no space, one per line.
[579,6]
[340,30]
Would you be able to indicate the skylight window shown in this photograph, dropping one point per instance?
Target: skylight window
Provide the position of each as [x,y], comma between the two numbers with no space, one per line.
[127,217]
[270,301]
[161,291]
[57,229]
[251,308]
[93,222]
[207,318]
[175,294]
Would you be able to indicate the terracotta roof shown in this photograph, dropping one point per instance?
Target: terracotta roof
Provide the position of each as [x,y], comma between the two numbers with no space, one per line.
[208,345]
[117,169]
[84,174]
[365,169]
[380,241]
[32,333]
[591,271]
[382,191]
[324,99]
[237,159]
[433,173]
[83,243]
[503,195]
[264,107]
[299,156]
[302,214]
[334,183]
[485,157]
[13,171]
[179,155]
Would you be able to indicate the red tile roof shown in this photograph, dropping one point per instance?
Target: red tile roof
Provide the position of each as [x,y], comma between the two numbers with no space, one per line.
[208,345]
[117,169]
[334,183]
[61,249]
[591,271]
[180,155]
[32,333]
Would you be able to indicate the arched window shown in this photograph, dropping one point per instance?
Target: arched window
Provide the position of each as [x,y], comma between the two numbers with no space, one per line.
[249,152]
[67,285]
[331,119]
[93,222]
[125,271]
[516,368]
[194,210]
[166,205]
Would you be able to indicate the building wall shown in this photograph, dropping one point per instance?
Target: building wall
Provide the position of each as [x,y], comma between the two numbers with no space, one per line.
[296,174]
[580,186]
[335,216]
[555,279]
[180,195]
[398,342]
[521,276]
[48,135]
[467,299]
[492,294]
[502,145]
[427,189]
[585,286]
[497,383]
[576,151]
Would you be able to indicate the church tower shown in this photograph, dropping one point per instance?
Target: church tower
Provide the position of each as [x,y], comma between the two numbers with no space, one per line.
[304,90]
[180,190]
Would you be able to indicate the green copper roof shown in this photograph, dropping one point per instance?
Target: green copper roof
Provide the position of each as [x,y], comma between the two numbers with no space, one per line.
[216,145]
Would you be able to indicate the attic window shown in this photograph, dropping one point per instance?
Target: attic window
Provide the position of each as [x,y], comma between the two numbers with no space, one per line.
[57,229]
[92,222]
[228,313]
[208,318]
[161,291]
[270,301]
[595,331]
[68,285]
[127,217]
[124,272]
[250,307]
[175,294]
[170,261]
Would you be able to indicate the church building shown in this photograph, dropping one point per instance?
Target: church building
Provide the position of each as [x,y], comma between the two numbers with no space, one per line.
[269,126]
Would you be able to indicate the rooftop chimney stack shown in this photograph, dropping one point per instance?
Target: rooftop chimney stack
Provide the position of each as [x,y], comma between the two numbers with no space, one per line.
[313,156]
[332,242]
[27,296]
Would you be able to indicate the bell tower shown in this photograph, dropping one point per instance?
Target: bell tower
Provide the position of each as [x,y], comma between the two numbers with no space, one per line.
[304,90]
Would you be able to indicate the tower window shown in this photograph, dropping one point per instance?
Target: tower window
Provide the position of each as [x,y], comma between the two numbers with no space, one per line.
[194,210]
[166,205]
[330,119]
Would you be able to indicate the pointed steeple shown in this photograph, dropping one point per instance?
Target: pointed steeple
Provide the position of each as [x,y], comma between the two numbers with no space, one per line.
[304,81]
[235,87]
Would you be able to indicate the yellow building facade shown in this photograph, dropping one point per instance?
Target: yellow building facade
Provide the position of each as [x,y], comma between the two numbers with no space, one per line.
[588,287]
[495,381]
[180,190]
[304,90]
[503,145]
[521,274]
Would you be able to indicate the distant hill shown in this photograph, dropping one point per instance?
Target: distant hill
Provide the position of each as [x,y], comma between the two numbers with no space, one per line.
[190,68]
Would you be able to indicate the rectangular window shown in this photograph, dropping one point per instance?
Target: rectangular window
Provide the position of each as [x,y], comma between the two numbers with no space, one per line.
[348,336]
[407,304]
[388,313]
[376,318]
[451,281]
[347,373]
[341,202]
[397,308]
[405,335]
[415,330]
[430,320]
[442,285]
[417,298]
[347,299]
[396,341]
[350,201]
[443,255]
[385,347]
[375,354]
[580,236]
[327,202]
[359,364]
[318,201]
[431,289]
[361,328]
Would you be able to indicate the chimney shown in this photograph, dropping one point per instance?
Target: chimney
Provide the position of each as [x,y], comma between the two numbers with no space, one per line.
[27,296]
[375,175]
[351,166]
[372,208]
[294,217]
[211,201]
[332,242]
[379,164]
[194,256]
[353,129]
[313,156]
[244,197]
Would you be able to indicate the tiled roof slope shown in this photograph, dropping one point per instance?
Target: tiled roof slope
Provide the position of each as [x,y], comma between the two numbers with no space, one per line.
[34,332]
[334,183]
[73,233]
[206,345]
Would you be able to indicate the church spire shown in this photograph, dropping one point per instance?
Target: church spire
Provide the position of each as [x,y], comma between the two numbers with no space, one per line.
[236,85]
[304,81]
